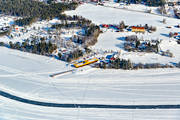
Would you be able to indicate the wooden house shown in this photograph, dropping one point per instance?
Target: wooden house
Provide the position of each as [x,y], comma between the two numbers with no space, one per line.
[137,29]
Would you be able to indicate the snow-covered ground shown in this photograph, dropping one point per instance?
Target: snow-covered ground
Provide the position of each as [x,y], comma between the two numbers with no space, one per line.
[39,28]
[19,111]
[6,20]
[143,8]
[133,7]
[114,40]
[101,14]
[27,75]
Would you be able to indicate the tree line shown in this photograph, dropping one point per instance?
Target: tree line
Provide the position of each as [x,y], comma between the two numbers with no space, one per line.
[31,8]
[26,21]
[91,31]
[128,65]
[133,43]
[38,47]
[147,2]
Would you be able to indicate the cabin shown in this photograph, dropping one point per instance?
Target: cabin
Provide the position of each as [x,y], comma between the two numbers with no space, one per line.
[105,25]
[171,3]
[167,53]
[113,59]
[178,41]
[137,29]
[176,34]
[96,1]
[169,27]
[178,26]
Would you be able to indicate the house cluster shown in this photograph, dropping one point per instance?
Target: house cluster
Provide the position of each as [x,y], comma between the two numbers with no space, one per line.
[112,57]
[132,43]
[18,29]
[173,2]
[70,54]
[166,53]
[110,26]
[108,59]
[176,35]
[60,1]
[64,53]
[177,13]
[117,28]
[4,29]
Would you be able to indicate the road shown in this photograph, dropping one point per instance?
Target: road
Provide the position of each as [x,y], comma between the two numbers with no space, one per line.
[105,106]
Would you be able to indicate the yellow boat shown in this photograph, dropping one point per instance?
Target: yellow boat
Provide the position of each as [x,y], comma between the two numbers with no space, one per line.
[85,62]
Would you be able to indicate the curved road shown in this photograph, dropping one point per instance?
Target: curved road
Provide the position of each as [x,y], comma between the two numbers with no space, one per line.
[47,104]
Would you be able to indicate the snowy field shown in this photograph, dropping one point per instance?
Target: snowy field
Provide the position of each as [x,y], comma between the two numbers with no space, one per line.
[111,40]
[133,7]
[100,15]
[143,8]
[19,111]
[27,75]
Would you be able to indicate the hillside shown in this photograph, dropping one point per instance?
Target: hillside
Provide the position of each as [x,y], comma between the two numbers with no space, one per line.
[28,75]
